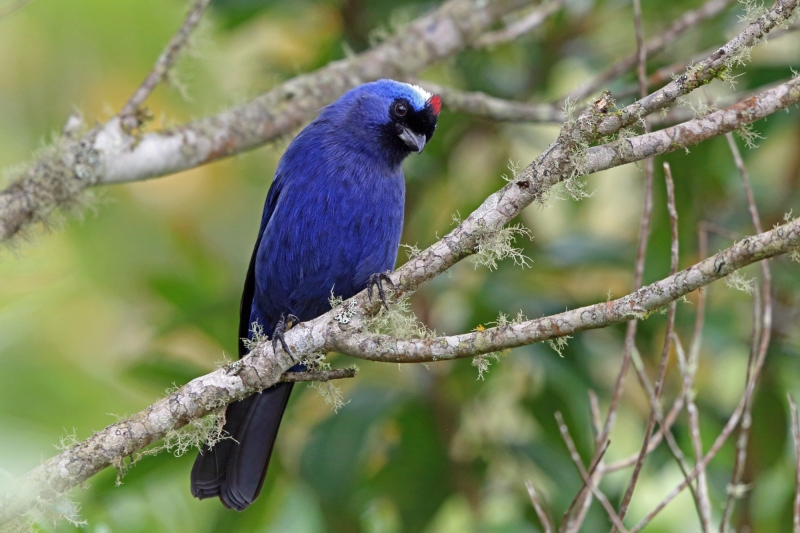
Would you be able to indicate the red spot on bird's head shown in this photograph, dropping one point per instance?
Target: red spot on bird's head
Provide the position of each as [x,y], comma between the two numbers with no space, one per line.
[435,102]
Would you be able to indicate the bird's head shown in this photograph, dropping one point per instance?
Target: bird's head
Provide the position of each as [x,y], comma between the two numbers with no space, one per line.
[402,117]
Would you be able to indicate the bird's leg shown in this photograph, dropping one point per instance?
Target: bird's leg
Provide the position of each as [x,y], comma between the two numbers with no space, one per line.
[377,280]
[283,325]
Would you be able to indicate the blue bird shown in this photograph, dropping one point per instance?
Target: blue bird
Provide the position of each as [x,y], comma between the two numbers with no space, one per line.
[331,225]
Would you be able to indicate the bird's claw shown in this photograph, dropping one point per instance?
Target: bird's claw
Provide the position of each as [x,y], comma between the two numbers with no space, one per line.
[283,325]
[377,280]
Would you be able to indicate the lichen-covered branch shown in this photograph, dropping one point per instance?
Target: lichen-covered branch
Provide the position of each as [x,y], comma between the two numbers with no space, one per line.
[688,20]
[694,131]
[110,154]
[717,66]
[639,304]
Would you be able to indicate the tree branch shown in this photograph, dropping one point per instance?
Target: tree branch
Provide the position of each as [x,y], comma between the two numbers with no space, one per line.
[695,131]
[688,20]
[482,105]
[639,304]
[519,27]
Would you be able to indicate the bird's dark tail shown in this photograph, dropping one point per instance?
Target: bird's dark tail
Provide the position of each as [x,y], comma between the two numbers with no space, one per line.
[235,468]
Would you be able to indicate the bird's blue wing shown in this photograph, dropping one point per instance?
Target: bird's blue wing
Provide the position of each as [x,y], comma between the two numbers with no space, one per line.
[250,280]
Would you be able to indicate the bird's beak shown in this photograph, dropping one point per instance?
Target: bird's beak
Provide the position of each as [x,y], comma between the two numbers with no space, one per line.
[415,141]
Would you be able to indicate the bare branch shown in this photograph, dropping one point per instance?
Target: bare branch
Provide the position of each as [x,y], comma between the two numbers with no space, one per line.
[762,333]
[796,438]
[730,426]
[537,506]
[702,498]
[489,107]
[164,63]
[639,304]
[662,371]
[576,458]
[521,26]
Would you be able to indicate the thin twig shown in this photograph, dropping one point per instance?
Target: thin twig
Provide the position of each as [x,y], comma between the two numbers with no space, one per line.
[730,426]
[594,407]
[709,227]
[576,458]
[702,498]
[644,237]
[762,325]
[701,493]
[654,399]
[521,26]
[482,105]
[662,372]
[796,438]
[664,428]
[537,506]
[573,524]
[630,331]
[164,63]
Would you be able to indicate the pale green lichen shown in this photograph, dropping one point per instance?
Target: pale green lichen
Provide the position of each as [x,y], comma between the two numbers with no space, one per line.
[753,10]
[399,322]
[199,432]
[749,135]
[411,250]
[735,280]
[568,111]
[513,167]
[46,515]
[483,361]
[497,245]
[330,393]
[559,344]
[257,338]
[68,441]
[54,185]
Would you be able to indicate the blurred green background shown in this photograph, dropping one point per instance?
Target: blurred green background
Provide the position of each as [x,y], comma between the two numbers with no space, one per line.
[101,315]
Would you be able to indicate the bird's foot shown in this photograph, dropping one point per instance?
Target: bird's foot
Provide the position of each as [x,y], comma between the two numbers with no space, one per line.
[377,280]
[283,325]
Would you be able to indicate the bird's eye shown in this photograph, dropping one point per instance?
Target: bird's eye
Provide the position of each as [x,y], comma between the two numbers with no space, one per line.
[400,109]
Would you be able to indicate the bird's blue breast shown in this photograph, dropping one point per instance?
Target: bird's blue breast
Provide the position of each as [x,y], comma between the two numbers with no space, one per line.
[333,217]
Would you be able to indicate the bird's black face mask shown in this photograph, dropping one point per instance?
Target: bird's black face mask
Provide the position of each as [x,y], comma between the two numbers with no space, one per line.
[411,129]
